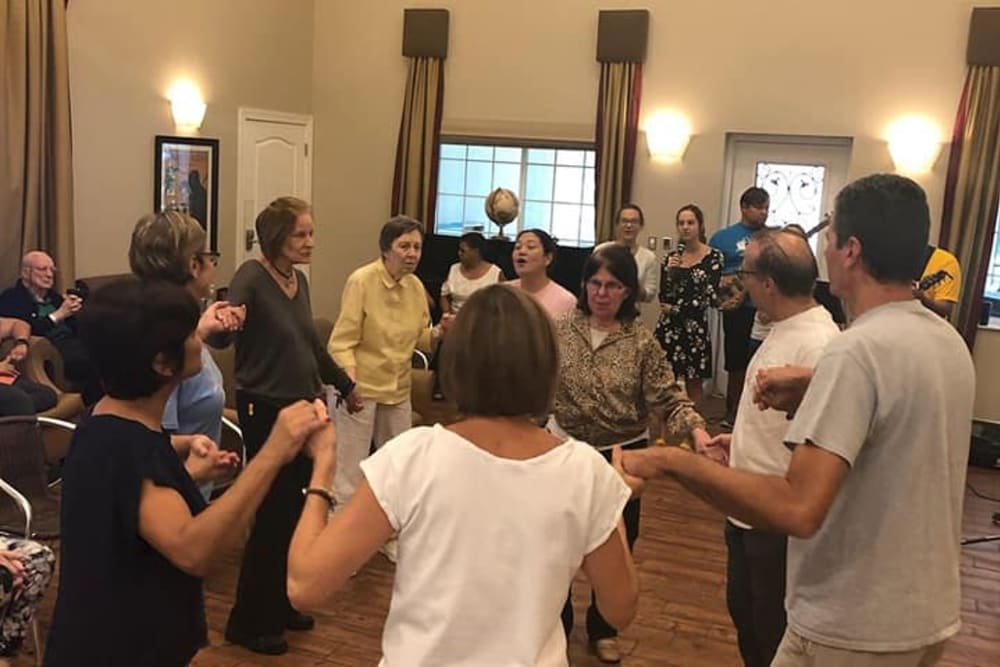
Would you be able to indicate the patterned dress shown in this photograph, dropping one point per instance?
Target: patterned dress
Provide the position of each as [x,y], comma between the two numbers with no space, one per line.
[18,603]
[683,332]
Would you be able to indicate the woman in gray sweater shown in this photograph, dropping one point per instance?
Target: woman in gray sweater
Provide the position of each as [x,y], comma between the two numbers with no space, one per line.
[279,360]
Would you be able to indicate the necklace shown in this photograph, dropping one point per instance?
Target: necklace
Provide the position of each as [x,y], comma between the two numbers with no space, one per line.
[288,278]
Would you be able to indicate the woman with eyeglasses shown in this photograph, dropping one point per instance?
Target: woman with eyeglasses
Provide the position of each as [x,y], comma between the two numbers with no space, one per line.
[689,286]
[170,246]
[613,376]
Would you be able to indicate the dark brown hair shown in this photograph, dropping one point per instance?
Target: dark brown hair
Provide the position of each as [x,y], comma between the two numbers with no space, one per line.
[396,227]
[502,358]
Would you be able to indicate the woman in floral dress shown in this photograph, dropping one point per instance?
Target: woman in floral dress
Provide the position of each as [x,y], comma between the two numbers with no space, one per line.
[689,285]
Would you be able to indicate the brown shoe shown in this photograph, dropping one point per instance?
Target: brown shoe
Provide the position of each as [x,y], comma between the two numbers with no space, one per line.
[607,651]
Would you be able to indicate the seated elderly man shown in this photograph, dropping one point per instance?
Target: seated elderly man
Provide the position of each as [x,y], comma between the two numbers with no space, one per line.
[51,315]
[19,395]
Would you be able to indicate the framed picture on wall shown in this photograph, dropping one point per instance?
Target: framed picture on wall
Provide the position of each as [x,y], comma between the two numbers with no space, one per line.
[186,178]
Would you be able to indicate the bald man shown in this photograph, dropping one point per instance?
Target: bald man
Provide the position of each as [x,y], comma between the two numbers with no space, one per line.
[779,272]
[53,316]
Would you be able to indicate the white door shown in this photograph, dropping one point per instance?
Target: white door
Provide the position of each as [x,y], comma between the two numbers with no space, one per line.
[274,161]
[803,176]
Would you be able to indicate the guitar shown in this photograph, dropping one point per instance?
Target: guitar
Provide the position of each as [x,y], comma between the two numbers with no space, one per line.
[933,279]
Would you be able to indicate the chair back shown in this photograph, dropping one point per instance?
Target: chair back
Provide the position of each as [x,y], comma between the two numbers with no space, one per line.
[22,465]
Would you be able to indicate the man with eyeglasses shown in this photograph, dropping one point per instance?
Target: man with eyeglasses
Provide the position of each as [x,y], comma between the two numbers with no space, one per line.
[779,273]
[737,310]
[53,316]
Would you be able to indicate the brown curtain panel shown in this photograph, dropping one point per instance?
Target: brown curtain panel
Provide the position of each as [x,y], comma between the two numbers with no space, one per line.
[414,185]
[616,134]
[972,190]
[36,166]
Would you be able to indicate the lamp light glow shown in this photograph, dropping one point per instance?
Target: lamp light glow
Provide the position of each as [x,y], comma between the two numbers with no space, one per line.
[667,135]
[187,106]
[914,144]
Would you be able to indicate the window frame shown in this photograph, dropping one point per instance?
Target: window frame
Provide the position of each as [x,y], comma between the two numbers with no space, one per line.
[524,144]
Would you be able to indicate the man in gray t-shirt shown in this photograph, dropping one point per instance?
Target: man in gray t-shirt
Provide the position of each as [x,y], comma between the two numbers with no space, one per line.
[873,496]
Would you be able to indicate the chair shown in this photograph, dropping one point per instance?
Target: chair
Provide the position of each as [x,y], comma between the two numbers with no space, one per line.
[22,479]
[44,365]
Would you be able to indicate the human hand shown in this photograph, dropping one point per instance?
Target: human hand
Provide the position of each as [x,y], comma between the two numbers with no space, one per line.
[295,423]
[642,463]
[70,306]
[354,402]
[717,448]
[673,261]
[636,484]
[206,462]
[12,561]
[781,387]
[18,352]
[221,317]
[321,446]
[447,320]
[666,308]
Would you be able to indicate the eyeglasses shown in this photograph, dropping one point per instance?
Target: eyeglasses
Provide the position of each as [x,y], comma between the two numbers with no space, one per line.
[212,255]
[611,287]
[747,272]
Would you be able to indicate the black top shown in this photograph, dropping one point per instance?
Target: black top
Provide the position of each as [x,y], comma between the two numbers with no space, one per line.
[278,353]
[120,601]
[19,302]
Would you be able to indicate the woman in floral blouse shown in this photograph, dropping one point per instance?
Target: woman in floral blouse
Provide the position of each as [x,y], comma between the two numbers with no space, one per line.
[613,376]
[689,285]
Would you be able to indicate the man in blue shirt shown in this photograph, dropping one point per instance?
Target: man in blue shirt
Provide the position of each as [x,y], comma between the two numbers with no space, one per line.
[738,310]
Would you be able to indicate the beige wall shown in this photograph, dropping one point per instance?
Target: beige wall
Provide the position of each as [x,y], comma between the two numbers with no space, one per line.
[124,54]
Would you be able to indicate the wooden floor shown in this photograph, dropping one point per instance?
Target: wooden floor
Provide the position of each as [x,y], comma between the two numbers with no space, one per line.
[682,616]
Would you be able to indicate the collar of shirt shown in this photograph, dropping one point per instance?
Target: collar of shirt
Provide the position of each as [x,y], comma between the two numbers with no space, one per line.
[387,280]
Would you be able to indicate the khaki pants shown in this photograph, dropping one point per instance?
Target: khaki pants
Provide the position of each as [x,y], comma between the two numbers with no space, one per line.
[797,651]
[377,421]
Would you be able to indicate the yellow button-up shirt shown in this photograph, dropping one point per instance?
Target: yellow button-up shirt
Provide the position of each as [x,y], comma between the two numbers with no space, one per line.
[381,321]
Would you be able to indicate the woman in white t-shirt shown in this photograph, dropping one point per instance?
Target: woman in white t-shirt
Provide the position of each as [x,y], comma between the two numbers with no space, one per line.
[494,514]
[469,274]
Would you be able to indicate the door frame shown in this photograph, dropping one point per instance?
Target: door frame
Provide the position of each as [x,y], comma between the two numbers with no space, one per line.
[247,115]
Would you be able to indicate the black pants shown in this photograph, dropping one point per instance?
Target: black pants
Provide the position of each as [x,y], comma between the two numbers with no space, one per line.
[25,397]
[262,606]
[597,627]
[755,591]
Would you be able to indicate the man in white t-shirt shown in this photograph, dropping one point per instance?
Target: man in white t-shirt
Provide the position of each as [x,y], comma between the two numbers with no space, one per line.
[628,223]
[779,272]
[873,495]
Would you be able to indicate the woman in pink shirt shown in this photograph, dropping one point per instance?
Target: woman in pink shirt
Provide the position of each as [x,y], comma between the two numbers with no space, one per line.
[534,252]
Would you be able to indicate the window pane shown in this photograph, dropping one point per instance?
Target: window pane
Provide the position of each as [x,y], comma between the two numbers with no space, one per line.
[507,176]
[508,154]
[566,222]
[588,186]
[535,215]
[541,155]
[481,153]
[587,226]
[796,192]
[569,184]
[451,180]
[590,157]
[474,213]
[992,287]
[479,175]
[456,151]
[572,158]
[449,215]
[539,182]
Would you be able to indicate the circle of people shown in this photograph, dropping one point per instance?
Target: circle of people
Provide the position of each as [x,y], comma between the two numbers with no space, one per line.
[489,519]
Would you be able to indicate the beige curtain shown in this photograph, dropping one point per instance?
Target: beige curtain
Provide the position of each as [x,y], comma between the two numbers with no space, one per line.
[616,134]
[36,170]
[972,190]
[414,188]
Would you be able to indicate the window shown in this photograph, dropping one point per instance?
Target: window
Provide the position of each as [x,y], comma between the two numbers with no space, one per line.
[796,192]
[554,184]
[992,288]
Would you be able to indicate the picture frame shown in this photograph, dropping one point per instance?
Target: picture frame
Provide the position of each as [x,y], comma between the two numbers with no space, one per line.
[186,178]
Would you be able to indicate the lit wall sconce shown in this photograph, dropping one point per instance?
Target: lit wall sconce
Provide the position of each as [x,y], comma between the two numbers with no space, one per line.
[914,143]
[187,106]
[667,136]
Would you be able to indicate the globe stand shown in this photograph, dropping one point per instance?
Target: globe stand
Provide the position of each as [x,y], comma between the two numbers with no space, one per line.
[500,236]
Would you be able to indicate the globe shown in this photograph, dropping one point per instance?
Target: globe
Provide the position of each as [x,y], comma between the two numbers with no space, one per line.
[502,208]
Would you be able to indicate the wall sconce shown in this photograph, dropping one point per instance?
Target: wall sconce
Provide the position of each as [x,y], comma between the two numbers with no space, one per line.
[187,106]
[914,143]
[667,136]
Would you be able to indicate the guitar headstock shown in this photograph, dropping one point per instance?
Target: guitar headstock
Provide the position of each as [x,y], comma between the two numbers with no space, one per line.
[933,279]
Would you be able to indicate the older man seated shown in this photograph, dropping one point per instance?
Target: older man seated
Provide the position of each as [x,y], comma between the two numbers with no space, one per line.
[53,316]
